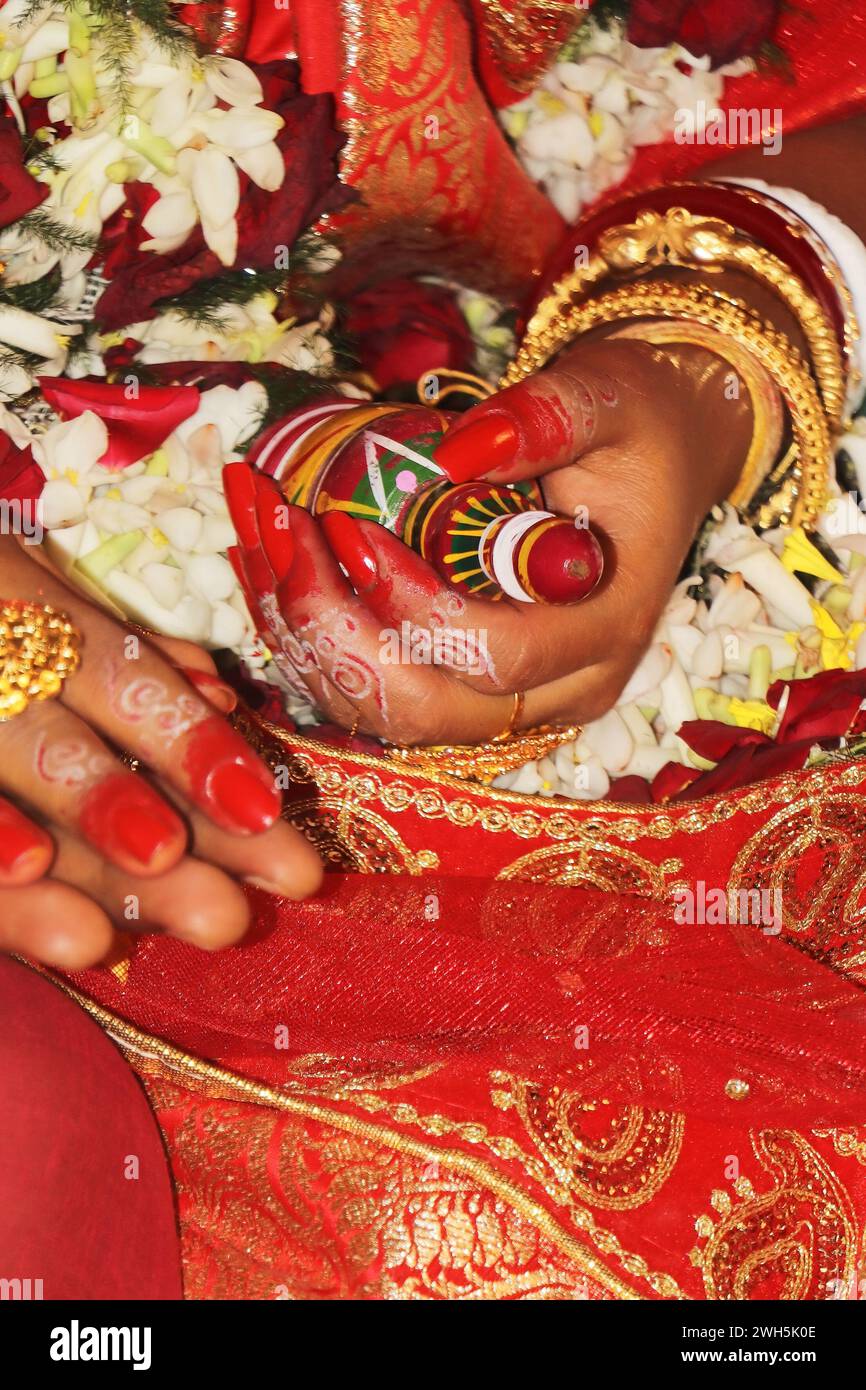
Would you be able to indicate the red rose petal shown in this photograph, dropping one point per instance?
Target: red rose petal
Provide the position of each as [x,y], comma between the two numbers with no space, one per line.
[135,427]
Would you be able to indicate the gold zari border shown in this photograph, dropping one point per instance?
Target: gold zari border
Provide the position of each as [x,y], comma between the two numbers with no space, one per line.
[491,806]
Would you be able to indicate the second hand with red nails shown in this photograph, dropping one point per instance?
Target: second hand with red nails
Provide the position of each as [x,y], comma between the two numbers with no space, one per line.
[483,537]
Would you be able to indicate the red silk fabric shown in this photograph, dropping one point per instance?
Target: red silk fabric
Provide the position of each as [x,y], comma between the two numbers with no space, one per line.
[85,1196]
[600,991]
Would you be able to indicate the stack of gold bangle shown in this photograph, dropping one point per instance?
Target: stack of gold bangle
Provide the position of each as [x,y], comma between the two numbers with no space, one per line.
[805,494]
[813,392]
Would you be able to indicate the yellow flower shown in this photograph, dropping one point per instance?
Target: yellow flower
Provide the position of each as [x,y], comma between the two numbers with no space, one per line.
[799,553]
[837,646]
[550,104]
[752,714]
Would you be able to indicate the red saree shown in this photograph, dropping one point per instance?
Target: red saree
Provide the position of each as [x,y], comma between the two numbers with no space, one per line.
[488,1063]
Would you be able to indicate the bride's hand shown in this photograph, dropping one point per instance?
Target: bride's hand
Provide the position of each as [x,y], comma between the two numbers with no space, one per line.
[85,843]
[646,439]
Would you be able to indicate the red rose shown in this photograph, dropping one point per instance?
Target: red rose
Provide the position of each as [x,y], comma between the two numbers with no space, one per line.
[20,193]
[655,23]
[21,479]
[748,762]
[821,709]
[824,706]
[309,144]
[720,30]
[404,328]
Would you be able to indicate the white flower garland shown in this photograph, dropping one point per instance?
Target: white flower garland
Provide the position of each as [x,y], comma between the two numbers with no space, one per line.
[577,133]
[150,539]
[187,127]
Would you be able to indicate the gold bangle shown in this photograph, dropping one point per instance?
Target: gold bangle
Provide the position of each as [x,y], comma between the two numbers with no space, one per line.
[39,648]
[803,495]
[764,395]
[680,238]
[850,325]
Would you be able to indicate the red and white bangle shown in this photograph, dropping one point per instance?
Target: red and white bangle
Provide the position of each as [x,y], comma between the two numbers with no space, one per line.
[844,255]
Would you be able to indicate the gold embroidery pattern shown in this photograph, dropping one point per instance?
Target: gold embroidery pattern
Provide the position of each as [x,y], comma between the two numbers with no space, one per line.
[518,28]
[152,1058]
[421,143]
[610,1156]
[311,763]
[351,837]
[795,1241]
[847,1143]
[312,1213]
[507,1150]
[608,868]
[826,915]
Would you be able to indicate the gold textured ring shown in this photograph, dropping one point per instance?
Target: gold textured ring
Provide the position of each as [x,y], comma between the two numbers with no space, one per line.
[39,648]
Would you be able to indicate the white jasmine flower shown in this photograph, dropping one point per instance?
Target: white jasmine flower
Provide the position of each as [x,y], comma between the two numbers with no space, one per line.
[577,133]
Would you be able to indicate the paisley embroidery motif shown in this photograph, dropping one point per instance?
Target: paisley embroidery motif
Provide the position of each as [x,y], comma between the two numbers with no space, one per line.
[797,1240]
[610,1156]
[809,854]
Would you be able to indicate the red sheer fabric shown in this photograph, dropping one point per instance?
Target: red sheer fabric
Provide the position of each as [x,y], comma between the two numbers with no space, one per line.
[585,988]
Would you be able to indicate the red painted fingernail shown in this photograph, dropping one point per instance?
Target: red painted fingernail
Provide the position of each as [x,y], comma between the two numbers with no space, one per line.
[235,557]
[303,581]
[244,797]
[259,573]
[239,485]
[228,780]
[352,549]
[481,446]
[213,689]
[272,514]
[19,838]
[123,815]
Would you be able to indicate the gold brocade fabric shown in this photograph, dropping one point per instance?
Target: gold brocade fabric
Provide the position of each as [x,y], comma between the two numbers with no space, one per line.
[364,1194]
[524,36]
[441,191]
